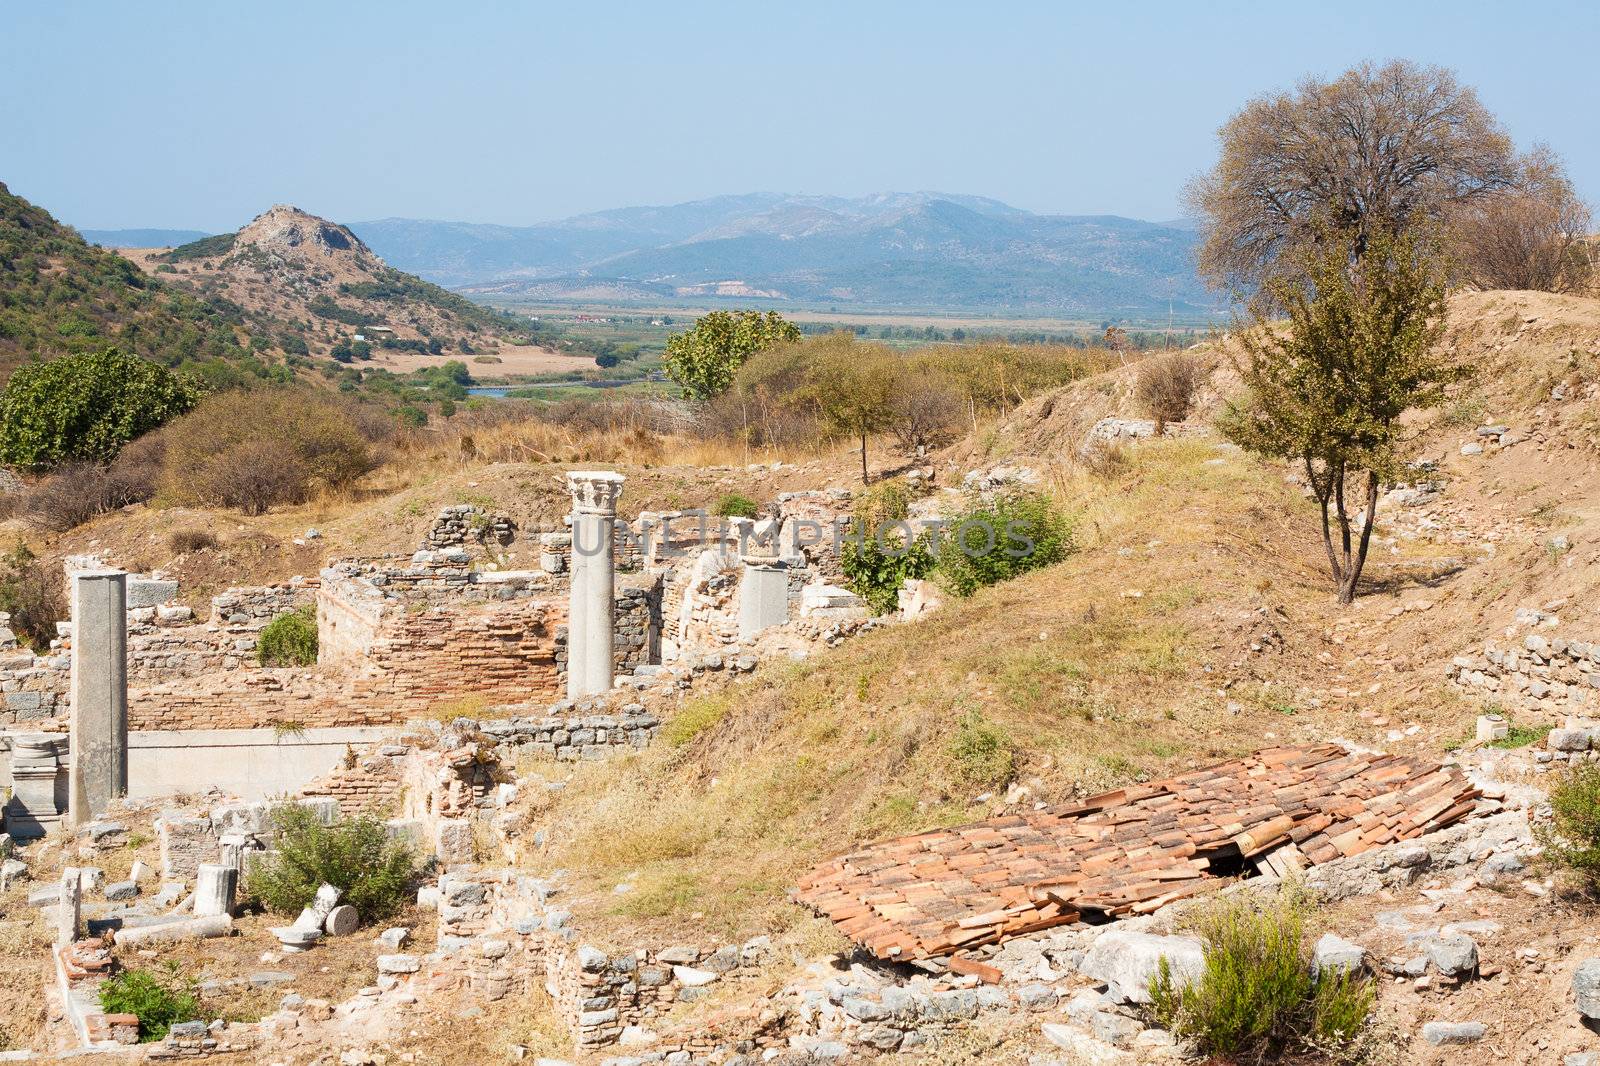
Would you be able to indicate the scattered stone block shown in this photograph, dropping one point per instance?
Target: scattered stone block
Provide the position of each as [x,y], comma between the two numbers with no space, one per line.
[394,938]
[1443,1034]
[1586,987]
[690,977]
[213,925]
[1126,961]
[120,890]
[1334,954]
[398,964]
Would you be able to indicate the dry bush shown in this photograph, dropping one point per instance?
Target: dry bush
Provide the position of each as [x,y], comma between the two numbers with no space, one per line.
[1166,386]
[256,450]
[34,595]
[926,410]
[184,541]
[1530,237]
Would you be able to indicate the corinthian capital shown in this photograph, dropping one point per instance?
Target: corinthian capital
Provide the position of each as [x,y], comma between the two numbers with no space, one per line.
[594,491]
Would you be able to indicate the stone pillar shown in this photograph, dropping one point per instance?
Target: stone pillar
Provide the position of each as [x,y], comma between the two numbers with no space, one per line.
[214,889]
[591,665]
[763,594]
[99,692]
[68,906]
[32,810]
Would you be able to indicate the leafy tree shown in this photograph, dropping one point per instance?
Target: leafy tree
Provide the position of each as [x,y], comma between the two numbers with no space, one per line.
[1327,390]
[1374,151]
[853,388]
[85,407]
[704,359]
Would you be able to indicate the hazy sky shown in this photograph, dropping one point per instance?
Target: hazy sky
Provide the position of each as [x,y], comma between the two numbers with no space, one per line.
[201,114]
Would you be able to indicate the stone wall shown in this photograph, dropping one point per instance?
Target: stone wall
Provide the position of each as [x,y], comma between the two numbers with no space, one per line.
[1541,672]
[165,642]
[569,738]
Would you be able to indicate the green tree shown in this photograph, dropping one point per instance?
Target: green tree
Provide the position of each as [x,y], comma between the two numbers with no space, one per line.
[85,407]
[853,388]
[704,359]
[1328,388]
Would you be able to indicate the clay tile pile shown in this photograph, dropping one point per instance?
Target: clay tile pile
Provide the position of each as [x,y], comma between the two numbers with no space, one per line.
[1132,850]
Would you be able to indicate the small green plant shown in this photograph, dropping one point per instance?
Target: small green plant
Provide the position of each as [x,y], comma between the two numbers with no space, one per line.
[994,541]
[1256,997]
[733,505]
[1571,839]
[373,873]
[694,718]
[159,998]
[982,753]
[876,559]
[289,639]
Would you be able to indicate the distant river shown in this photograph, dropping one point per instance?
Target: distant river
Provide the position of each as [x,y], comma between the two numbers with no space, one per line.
[499,392]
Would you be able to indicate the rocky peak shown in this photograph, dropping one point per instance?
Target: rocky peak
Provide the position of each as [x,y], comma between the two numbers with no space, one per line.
[286,229]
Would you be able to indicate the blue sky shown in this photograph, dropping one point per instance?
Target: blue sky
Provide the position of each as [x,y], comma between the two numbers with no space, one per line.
[201,114]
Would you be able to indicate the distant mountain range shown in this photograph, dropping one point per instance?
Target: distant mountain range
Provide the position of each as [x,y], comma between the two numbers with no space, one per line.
[141,238]
[911,251]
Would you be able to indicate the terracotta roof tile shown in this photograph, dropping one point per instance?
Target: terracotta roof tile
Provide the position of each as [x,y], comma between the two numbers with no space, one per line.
[1132,850]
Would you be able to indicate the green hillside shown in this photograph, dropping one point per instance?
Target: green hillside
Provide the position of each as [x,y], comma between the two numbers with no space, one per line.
[59,294]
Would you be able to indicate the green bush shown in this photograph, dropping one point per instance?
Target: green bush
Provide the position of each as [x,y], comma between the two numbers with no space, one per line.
[999,539]
[1571,838]
[85,407]
[355,855]
[160,999]
[733,505]
[289,639]
[982,753]
[875,566]
[1256,997]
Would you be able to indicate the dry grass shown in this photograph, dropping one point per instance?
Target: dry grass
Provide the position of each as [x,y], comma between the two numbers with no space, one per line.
[1076,678]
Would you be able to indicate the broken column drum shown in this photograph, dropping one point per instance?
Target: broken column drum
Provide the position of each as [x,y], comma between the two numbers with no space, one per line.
[99,746]
[590,618]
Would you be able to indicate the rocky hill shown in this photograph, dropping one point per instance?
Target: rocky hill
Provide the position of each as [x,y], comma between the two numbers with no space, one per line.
[320,290]
[889,250]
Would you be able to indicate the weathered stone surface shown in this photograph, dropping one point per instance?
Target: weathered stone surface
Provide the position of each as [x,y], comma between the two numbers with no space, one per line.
[690,977]
[341,921]
[1455,955]
[396,964]
[1442,1034]
[121,890]
[1586,987]
[1127,961]
[1334,954]
[1083,1049]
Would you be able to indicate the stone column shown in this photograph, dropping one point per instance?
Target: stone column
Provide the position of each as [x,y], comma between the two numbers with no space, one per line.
[99,692]
[32,810]
[591,665]
[68,906]
[214,888]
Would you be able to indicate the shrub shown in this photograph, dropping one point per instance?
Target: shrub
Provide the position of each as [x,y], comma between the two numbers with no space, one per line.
[1000,539]
[289,639]
[85,407]
[1256,996]
[373,873]
[1571,838]
[257,450]
[982,753]
[34,595]
[734,505]
[1166,386]
[875,558]
[183,541]
[159,998]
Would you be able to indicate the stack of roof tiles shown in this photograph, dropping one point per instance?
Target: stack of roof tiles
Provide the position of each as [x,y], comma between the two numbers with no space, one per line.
[1132,850]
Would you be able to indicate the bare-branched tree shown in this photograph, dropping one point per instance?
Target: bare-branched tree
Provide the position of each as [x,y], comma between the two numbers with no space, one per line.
[1377,150]
[1532,236]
